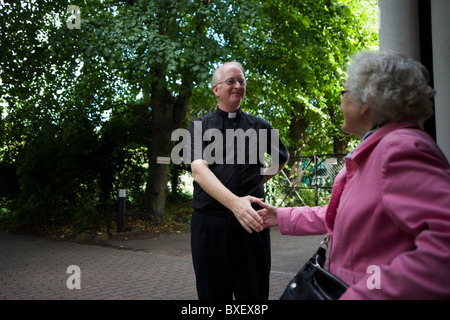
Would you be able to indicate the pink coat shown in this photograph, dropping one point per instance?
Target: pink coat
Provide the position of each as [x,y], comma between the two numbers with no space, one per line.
[388,218]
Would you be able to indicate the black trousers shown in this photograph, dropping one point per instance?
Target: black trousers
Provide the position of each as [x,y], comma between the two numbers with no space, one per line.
[228,260]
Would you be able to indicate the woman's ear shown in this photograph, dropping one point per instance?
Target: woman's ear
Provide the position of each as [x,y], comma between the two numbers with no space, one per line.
[366,107]
[365,110]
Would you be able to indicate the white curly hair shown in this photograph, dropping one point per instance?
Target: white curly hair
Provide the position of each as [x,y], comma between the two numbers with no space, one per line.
[394,86]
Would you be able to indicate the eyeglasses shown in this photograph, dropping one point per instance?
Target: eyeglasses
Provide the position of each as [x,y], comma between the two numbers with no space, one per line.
[232,82]
[343,93]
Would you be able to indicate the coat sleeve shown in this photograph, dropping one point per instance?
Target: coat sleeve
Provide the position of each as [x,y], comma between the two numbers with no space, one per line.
[302,221]
[416,195]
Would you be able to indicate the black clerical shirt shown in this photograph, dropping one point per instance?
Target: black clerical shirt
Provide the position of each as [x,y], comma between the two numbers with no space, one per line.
[238,168]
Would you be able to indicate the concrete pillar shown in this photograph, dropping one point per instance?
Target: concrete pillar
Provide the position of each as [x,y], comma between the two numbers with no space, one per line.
[440,16]
[399,27]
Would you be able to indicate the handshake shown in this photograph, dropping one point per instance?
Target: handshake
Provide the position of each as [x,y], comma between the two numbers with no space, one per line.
[251,219]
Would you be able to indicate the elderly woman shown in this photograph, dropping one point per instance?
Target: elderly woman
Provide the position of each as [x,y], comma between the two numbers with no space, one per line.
[389,214]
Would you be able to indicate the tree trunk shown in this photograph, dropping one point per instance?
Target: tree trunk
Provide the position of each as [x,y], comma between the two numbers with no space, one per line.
[298,127]
[297,136]
[167,114]
[156,189]
[339,144]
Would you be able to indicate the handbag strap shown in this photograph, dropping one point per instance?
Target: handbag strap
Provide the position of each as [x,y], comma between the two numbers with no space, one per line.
[319,258]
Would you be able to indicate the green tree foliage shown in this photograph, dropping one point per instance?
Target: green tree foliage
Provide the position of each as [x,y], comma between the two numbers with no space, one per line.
[85,111]
[302,52]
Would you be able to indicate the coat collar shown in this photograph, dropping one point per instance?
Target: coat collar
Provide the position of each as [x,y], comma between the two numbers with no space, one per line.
[370,143]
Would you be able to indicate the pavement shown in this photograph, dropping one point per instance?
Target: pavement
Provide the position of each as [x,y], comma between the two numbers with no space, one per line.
[153,267]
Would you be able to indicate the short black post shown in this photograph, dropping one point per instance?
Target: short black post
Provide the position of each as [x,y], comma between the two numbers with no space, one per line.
[122,210]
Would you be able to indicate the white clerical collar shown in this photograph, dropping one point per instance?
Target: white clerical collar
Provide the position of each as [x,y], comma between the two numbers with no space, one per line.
[229,115]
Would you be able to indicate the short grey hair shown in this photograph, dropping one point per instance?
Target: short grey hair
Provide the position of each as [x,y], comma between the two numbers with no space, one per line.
[394,86]
[217,75]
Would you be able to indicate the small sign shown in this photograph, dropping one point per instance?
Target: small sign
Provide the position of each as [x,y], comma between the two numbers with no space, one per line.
[331,161]
[122,193]
[163,160]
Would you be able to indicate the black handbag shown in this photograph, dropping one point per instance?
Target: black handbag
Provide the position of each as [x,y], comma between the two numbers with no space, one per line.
[313,282]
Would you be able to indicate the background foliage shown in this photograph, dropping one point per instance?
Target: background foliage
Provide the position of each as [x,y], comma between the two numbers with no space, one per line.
[86,111]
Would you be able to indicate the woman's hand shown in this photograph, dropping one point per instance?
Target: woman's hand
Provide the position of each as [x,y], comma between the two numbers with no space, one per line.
[268,214]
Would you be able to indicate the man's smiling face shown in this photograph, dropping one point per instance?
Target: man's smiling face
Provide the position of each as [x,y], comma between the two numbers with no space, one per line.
[230,96]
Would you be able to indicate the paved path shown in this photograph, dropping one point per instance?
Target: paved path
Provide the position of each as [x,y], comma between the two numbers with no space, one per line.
[155,268]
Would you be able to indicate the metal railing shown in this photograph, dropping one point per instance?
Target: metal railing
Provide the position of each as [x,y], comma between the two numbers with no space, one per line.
[308,175]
